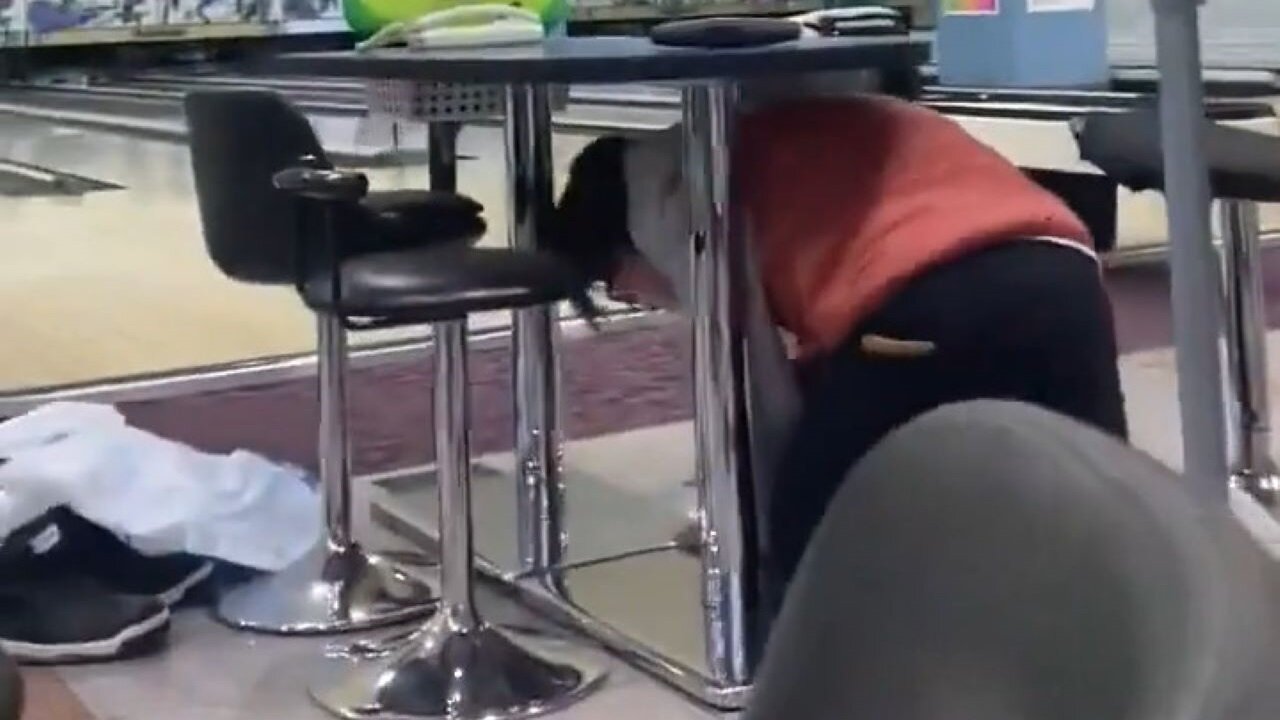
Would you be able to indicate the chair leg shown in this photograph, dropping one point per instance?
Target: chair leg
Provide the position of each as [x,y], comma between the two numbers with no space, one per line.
[1252,468]
[338,587]
[457,666]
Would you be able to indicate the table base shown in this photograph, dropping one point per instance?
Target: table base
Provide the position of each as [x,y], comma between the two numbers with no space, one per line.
[637,595]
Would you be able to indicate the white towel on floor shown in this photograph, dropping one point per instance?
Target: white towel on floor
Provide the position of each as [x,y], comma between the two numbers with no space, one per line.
[158,495]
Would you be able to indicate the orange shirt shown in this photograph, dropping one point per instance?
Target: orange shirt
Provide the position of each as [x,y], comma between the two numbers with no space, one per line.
[849,199]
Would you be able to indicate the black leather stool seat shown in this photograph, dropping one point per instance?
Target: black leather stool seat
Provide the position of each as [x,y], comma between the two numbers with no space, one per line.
[440,283]
[398,219]
[1243,165]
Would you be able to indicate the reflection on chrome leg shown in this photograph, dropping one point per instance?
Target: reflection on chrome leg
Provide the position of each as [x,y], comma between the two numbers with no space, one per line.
[457,666]
[338,587]
[1263,485]
[449,671]
[333,589]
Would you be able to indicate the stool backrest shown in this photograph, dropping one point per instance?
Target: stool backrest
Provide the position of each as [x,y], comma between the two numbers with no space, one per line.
[239,140]
[994,560]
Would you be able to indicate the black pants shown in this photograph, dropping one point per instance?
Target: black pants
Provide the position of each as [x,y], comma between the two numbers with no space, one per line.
[1025,320]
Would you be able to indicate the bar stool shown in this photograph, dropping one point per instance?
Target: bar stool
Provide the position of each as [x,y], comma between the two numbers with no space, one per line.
[456,666]
[239,139]
[1244,170]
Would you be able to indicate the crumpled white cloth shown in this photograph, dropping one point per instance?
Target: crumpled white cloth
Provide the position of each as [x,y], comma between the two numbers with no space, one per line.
[158,495]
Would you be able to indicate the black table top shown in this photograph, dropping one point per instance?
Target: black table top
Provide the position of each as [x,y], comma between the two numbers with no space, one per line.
[602,60]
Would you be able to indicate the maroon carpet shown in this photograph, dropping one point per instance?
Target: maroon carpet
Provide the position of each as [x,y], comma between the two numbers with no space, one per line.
[613,382]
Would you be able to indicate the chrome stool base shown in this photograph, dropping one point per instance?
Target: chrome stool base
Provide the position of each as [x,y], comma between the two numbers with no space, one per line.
[456,667]
[331,590]
[447,671]
[1264,486]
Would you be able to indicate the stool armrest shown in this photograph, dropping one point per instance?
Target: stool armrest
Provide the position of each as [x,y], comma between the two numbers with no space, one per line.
[323,184]
[332,193]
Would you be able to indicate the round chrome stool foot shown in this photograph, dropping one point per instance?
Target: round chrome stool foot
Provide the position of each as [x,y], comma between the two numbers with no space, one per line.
[331,590]
[370,648]
[1264,486]
[446,671]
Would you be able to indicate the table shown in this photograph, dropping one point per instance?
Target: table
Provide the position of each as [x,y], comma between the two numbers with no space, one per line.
[1195,271]
[709,80]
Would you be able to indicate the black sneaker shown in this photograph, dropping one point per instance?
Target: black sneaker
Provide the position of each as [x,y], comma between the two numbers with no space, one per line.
[61,543]
[74,619]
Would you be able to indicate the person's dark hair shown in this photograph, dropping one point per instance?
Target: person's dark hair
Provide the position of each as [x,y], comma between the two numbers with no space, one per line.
[590,222]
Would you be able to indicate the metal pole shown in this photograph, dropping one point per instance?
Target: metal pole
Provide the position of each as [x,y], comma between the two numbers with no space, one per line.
[1196,275]
[540,500]
[1252,468]
[442,155]
[334,459]
[719,396]
[453,475]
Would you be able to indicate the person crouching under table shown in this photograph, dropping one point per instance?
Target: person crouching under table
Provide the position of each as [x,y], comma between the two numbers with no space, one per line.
[906,264]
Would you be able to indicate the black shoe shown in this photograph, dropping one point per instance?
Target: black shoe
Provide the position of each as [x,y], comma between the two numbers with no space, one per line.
[61,543]
[74,619]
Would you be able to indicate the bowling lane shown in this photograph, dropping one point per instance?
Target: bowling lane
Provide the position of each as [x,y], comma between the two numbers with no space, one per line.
[116,283]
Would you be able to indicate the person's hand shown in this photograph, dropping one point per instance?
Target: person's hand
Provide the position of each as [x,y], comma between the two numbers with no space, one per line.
[790,344]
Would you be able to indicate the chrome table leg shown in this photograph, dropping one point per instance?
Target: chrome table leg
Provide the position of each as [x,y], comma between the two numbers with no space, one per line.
[540,499]
[719,397]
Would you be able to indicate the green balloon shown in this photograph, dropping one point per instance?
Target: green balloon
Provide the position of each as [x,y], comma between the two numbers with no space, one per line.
[366,17]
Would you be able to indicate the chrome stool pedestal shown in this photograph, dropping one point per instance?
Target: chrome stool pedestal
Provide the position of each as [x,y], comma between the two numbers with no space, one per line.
[457,666]
[338,587]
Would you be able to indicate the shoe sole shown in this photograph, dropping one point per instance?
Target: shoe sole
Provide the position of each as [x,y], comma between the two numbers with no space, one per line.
[175,594]
[133,640]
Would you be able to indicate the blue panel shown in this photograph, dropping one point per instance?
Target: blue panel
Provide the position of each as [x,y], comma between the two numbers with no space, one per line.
[1014,48]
